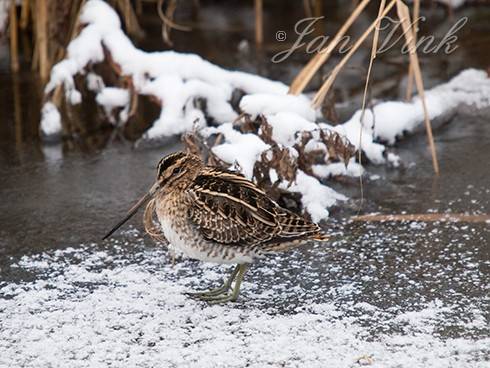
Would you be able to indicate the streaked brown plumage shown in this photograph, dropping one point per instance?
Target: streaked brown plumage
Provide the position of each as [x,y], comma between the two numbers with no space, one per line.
[217,215]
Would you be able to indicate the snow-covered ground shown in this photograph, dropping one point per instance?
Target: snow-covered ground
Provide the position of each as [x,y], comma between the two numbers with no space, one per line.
[376,299]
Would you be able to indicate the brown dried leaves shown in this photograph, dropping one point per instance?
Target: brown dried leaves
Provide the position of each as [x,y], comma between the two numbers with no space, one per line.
[278,164]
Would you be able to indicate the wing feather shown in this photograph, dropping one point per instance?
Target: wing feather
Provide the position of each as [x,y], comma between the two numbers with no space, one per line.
[229,209]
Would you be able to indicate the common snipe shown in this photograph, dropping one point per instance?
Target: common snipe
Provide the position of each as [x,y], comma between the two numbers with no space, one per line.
[215,215]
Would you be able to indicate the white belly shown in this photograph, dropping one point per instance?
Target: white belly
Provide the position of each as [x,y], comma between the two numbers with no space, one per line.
[196,249]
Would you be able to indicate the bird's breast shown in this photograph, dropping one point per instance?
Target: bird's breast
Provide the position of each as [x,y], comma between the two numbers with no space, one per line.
[186,238]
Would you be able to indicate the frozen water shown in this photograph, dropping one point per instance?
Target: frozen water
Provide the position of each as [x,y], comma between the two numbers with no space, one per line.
[386,300]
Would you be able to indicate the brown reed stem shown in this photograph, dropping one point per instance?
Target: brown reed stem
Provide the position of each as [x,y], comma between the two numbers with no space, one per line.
[307,73]
[42,38]
[259,23]
[404,16]
[374,49]
[322,92]
[416,14]
[424,217]
[14,38]
[24,14]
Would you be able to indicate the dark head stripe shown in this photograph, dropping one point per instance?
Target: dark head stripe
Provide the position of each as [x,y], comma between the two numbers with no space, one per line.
[168,161]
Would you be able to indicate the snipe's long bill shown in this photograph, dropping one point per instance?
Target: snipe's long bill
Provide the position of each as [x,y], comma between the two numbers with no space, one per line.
[216,215]
[132,211]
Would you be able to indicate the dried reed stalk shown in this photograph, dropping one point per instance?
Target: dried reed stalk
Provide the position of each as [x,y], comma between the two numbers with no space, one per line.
[259,23]
[404,16]
[24,14]
[139,7]
[307,8]
[42,38]
[169,22]
[14,38]
[416,14]
[307,73]
[166,29]
[424,217]
[322,92]
[17,110]
[374,49]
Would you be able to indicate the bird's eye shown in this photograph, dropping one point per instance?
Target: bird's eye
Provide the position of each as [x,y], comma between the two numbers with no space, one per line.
[176,170]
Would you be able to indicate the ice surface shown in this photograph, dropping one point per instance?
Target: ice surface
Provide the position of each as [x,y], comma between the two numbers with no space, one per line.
[124,306]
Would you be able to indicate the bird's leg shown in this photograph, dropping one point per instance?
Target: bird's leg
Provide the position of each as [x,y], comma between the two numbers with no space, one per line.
[236,290]
[220,290]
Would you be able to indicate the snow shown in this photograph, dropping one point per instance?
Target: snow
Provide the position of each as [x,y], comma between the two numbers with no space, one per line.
[267,104]
[452,3]
[316,197]
[386,122]
[113,97]
[244,149]
[471,88]
[90,307]
[352,130]
[173,78]
[50,119]
[178,79]
[285,126]
[4,15]
[338,168]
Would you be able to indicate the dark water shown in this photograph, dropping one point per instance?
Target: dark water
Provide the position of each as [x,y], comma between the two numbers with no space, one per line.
[56,196]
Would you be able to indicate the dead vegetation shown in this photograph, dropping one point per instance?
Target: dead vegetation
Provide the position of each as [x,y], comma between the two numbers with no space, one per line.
[278,164]
[424,217]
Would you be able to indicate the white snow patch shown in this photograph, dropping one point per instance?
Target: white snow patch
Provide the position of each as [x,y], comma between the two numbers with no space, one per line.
[393,159]
[268,104]
[363,134]
[112,97]
[4,15]
[245,149]
[95,83]
[137,315]
[338,168]
[285,126]
[316,197]
[471,87]
[50,119]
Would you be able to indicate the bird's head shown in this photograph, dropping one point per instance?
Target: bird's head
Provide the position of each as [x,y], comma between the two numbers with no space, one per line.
[174,171]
